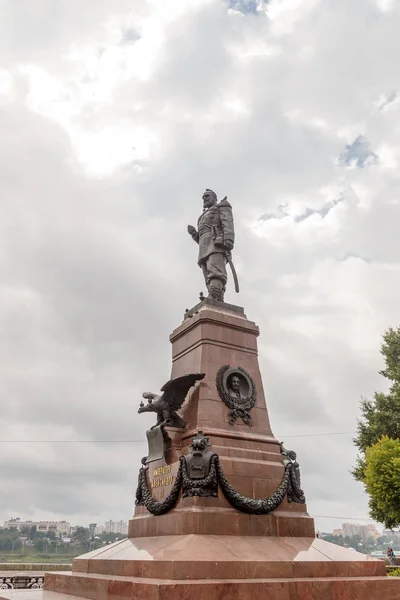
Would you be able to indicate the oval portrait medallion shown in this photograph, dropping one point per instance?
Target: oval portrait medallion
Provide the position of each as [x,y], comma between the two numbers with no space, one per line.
[237,389]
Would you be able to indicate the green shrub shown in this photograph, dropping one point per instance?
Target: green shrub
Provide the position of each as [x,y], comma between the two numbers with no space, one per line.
[394,573]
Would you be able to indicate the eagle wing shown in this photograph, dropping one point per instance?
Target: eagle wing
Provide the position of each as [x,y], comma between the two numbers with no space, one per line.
[175,390]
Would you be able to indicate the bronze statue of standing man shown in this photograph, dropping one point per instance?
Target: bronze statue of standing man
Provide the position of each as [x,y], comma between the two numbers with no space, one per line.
[215,235]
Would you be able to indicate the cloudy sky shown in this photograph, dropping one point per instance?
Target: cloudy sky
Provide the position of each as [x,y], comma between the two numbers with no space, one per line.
[114,117]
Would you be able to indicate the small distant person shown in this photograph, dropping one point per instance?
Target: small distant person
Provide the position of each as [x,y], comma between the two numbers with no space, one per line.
[391,556]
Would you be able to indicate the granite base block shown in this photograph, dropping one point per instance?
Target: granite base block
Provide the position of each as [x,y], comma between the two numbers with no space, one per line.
[94,587]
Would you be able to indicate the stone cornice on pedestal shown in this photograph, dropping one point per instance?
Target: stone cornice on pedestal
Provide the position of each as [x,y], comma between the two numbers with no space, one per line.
[211,322]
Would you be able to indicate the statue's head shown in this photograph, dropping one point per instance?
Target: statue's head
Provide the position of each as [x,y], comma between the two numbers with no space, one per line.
[149,407]
[235,383]
[209,198]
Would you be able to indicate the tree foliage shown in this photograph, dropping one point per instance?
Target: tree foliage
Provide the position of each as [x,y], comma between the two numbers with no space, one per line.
[81,535]
[382,481]
[9,539]
[354,541]
[381,416]
[110,538]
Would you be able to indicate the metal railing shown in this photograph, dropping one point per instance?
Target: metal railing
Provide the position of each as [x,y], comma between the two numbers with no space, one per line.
[21,581]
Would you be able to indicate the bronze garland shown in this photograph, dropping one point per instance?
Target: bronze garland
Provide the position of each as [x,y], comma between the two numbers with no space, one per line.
[295,493]
[263,506]
[159,507]
[139,495]
[288,487]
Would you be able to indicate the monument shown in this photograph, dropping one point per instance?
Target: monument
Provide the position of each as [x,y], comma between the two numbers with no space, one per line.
[219,512]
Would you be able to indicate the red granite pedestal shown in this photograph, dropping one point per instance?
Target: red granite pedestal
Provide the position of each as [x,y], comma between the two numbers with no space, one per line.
[205,549]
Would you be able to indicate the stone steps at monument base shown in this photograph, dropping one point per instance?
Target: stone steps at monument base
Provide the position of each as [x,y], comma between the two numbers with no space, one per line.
[223,557]
[100,587]
[177,570]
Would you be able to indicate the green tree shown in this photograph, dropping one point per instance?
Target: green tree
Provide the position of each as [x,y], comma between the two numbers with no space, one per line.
[9,540]
[381,416]
[81,535]
[382,481]
[40,544]
[111,537]
[354,541]
[33,534]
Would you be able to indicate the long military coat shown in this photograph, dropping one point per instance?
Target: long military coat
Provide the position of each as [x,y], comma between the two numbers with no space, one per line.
[215,227]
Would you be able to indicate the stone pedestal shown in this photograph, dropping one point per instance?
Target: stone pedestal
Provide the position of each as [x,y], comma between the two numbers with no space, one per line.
[204,548]
[213,337]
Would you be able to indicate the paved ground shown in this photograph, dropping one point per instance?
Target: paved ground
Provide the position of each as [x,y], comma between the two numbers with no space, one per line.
[21,595]
[34,595]
[24,571]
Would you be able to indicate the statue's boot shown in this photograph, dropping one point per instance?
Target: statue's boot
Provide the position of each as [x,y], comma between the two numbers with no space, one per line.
[216,290]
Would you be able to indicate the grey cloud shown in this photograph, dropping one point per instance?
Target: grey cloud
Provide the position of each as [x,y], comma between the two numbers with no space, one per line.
[349,255]
[45,489]
[293,400]
[280,213]
[388,99]
[308,212]
[69,368]
[130,35]
[40,32]
[323,211]
[96,273]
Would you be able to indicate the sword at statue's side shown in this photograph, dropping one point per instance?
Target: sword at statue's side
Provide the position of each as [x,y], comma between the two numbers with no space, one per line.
[234,275]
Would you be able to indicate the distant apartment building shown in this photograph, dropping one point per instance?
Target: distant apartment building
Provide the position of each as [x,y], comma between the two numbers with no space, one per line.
[350,529]
[337,532]
[364,531]
[113,527]
[372,531]
[60,528]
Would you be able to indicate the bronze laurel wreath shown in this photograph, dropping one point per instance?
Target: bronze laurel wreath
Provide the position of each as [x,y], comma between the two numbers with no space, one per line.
[253,506]
[158,507]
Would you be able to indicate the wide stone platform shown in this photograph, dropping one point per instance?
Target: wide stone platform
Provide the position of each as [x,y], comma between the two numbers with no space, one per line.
[204,549]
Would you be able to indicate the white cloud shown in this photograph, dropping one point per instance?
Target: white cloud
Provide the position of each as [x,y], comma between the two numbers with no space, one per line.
[113,122]
[285,14]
